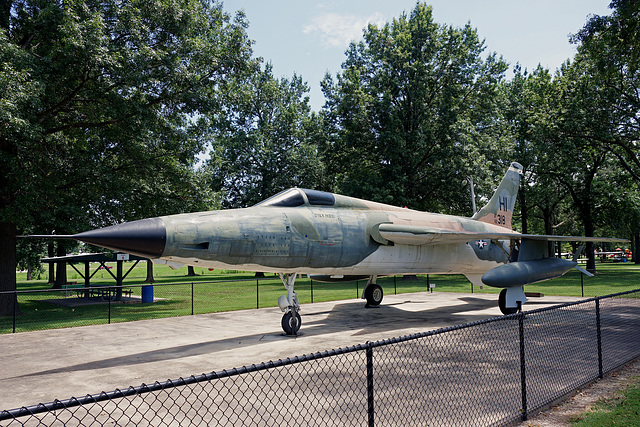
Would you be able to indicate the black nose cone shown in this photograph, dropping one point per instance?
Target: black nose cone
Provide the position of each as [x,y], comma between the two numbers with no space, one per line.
[145,237]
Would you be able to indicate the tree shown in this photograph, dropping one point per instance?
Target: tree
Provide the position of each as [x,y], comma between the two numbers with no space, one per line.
[520,98]
[102,110]
[577,164]
[29,253]
[608,50]
[409,99]
[265,139]
[608,53]
[570,179]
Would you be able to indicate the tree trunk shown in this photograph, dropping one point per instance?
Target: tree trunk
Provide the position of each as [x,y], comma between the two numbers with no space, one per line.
[636,240]
[190,271]
[589,229]
[8,302]
[524,214]
[547,213]
[149,278]
[61,268]
[51,254]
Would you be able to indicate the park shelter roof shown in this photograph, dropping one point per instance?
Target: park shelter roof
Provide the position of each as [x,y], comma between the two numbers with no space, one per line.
[90,257]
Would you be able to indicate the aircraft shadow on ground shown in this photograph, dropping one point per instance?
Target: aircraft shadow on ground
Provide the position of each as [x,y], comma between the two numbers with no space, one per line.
[345,317]
[391,317]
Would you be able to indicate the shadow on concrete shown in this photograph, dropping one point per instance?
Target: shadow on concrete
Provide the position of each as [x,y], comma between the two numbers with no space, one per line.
[345,317]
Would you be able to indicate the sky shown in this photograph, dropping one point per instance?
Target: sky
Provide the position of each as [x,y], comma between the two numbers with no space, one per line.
[309,38]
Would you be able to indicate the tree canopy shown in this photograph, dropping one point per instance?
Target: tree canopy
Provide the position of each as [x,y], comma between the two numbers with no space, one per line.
[265,139]
[608,54]
[102,108]
[407,98]
[112,112]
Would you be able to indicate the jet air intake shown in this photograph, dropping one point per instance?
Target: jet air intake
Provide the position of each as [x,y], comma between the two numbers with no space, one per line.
[145,237]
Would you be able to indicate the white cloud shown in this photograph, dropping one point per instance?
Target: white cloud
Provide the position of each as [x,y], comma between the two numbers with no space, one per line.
[337,30]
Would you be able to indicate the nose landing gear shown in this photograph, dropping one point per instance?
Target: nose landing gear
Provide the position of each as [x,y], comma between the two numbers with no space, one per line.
[290,305]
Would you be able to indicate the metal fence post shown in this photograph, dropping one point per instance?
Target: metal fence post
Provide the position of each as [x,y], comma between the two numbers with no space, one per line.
[192,298]
[395,285]
[15,309]
[599,334]
[257,293]
[370,402]
[311,291]
[109,298]
[523,375]
[582,283]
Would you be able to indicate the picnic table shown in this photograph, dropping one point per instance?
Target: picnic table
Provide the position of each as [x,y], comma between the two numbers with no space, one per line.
[103,292]
[89,290]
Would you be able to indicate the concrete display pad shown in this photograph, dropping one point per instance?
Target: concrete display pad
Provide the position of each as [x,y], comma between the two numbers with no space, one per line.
[39,367]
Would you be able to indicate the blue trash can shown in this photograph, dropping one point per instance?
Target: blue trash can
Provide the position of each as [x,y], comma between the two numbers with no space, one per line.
[147,294]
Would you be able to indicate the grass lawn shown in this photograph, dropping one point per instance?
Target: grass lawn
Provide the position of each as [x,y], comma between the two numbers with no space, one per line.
[213,291]
[622,410]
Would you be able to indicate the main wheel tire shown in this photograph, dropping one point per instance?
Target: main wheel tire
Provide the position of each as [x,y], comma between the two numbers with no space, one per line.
[290,323]
[502,303]
[373,294]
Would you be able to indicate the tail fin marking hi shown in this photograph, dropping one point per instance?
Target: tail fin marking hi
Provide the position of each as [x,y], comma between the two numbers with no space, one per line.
[499,210]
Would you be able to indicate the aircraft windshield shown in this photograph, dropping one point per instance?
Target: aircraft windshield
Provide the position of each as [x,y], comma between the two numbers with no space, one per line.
[293,197]
[287,198]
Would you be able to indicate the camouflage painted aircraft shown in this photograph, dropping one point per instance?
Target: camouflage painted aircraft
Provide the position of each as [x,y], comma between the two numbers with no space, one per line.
[337,238]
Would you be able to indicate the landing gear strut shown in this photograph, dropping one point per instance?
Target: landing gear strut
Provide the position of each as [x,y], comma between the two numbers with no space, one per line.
[373,292]
[290,305]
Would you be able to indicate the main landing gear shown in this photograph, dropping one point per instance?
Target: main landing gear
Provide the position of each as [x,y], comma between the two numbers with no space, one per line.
[373,292]
[290,305]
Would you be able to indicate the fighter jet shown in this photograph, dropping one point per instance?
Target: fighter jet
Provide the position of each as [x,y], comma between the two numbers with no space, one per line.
[332,237]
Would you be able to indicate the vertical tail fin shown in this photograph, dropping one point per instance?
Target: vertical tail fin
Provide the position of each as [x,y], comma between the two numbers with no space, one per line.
[499,210]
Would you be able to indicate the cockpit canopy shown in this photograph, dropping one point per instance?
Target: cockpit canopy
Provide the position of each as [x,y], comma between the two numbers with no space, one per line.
[294,197]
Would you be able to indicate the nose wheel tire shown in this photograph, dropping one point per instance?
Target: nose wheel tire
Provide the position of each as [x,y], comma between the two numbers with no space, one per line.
[373,294]
[291,323]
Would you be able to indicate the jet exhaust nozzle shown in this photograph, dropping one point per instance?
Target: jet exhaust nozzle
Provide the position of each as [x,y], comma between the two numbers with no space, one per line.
[145,237]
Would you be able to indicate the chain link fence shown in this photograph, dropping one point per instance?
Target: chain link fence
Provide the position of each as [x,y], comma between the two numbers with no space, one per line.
[492,372]
[80,306]
[77,305]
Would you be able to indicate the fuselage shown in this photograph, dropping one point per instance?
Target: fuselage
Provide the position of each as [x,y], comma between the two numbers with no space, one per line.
[308,232]
[333,238]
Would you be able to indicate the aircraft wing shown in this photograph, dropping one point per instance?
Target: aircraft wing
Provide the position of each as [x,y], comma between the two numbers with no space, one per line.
[554,238]
[424,235]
